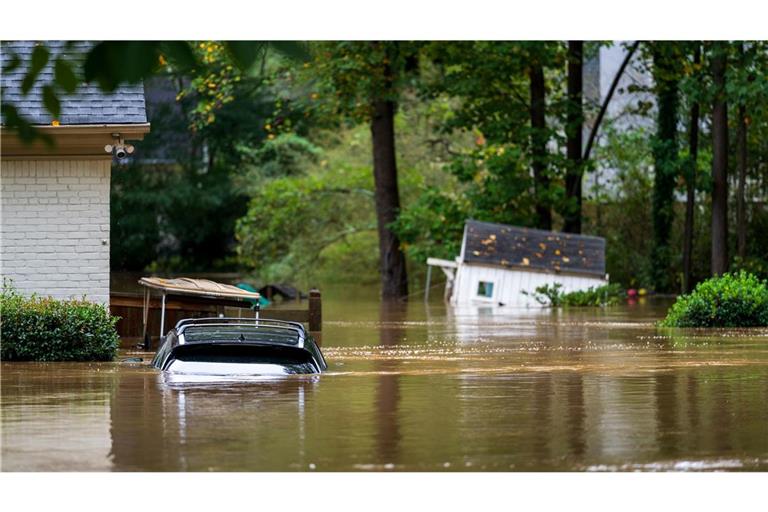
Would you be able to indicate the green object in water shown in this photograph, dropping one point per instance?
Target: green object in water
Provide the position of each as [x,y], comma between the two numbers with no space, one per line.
[263,301]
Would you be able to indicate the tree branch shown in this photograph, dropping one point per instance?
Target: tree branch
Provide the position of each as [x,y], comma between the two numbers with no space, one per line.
[604,108]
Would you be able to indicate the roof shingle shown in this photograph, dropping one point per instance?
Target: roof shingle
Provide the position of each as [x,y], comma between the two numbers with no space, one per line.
[533,249]
[88,104]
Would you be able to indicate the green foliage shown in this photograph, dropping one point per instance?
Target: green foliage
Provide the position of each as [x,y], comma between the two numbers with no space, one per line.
[606,295]
[433,225]
[751,265]
[731,300]
[258,130]
[491,78]
[618,207]
[180,215]
[349,76]
[45,329]
[756,260]
[177,216]
[174,218]
[329,231]
[321,206]
[547,295]
[553,296]
[112,63]
[491,81]
[667,60]
[290,221]
[286,154]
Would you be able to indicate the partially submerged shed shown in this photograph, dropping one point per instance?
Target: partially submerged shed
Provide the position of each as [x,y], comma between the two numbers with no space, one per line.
[499,262]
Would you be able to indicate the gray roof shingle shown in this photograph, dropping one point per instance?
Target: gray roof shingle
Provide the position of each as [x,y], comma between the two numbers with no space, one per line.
[533,249]
[88,104]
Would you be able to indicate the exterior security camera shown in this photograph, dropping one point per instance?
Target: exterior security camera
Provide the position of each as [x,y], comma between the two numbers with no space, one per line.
[119,147]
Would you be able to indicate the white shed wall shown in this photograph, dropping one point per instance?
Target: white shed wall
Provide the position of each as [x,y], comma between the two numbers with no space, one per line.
[54,227]
[508,285]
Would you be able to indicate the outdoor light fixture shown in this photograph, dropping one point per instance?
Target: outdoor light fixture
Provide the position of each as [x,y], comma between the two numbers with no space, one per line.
[120,148]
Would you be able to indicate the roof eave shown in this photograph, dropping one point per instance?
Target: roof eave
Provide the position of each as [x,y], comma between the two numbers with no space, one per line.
[537,270]
[126,130]
[70,141]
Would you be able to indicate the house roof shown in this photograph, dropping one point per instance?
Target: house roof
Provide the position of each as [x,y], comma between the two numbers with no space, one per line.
[88,105]
[533,249]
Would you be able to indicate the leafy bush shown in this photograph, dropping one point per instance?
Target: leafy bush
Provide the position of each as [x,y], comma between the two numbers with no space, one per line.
[553,296]
[45,329]
[548,295]
[731,300]
[605,295]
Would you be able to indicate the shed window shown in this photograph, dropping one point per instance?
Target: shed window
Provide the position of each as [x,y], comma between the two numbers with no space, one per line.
[485,289]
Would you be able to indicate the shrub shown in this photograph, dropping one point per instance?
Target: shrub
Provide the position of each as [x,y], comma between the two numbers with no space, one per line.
[45,329]
[548,295]
[552,296]
[606,295]
[731,300]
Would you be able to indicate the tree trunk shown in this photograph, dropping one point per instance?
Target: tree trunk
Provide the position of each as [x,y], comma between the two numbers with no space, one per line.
[574,127]
[719,164]
[394,280]
[539,145]
[741,142]
[690,187]
[741,214]
[665,166]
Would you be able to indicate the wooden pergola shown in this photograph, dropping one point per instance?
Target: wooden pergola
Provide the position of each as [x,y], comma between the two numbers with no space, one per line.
[170,300]
[195,290]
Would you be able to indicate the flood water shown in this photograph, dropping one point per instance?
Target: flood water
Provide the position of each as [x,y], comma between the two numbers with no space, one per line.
[419,388]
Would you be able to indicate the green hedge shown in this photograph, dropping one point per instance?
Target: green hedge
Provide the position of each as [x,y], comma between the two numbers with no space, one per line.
[45,329]
[553,296]
[731,300]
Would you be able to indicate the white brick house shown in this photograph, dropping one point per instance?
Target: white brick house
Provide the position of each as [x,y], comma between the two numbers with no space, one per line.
[54,202]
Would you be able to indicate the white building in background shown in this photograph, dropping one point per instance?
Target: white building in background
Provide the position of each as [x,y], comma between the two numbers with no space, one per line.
[54,215]
[498,263]
[622,113]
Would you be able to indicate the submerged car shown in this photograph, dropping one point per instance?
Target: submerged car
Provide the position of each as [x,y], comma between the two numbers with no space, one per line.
[238,346]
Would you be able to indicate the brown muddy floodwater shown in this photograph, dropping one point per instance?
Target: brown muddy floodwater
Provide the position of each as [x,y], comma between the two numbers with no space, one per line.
[419,388]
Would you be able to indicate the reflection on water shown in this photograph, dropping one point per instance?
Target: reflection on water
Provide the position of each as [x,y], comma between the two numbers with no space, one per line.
[208,426]
[415,387]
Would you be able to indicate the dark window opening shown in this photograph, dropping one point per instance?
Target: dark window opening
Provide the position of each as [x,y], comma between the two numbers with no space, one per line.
[485,289]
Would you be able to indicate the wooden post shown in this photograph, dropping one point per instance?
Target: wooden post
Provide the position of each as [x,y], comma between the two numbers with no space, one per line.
[315,319]
[162,318]
[146,338]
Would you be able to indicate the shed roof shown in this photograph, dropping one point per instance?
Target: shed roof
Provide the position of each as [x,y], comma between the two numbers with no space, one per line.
[88,105]
[197,287]
[533,249]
